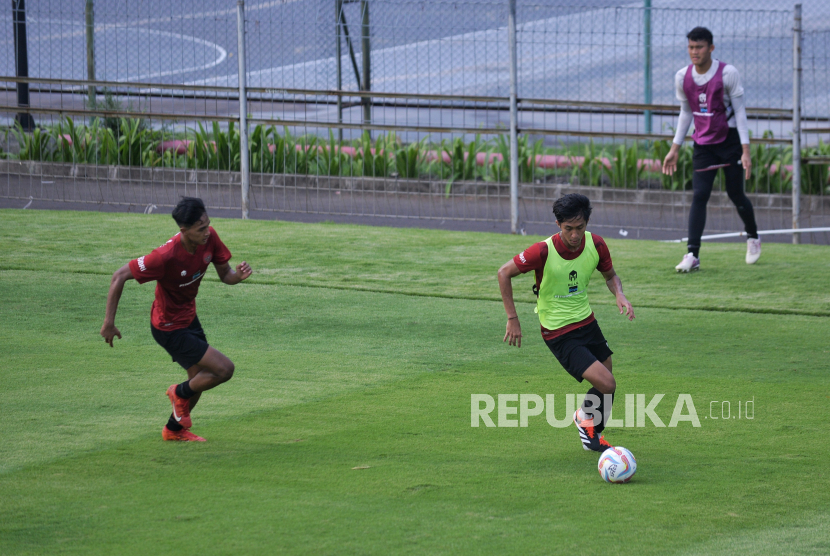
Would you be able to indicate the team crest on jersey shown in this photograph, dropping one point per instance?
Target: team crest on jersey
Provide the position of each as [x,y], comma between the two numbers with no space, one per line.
[184,273]
[704,108]
[573,283]
[208,257]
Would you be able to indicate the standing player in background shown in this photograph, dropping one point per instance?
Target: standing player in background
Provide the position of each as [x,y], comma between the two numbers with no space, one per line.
[711,94]
[178,267]
[563,264]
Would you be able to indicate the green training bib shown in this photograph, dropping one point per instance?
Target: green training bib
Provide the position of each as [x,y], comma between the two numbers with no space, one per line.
[563,296]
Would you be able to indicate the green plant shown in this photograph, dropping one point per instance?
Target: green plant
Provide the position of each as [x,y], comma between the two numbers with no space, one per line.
[682,177]
[497,168]
[624,170]
[268,151]
[217,151]
[374,160]
[302,158]
[764,158]
[814,176]
[111,104]
[589,170]
[461,165]
[107,145]
[410,160]
[528,159]
[136,146]
[76,144]
[35,145]
[166,159]
[331,160]
[263,158]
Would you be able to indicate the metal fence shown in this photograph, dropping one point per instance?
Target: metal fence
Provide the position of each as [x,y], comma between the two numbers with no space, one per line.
[428,80]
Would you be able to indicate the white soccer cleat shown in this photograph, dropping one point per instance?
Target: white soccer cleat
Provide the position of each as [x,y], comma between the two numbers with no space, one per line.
[753,250]
[690,263]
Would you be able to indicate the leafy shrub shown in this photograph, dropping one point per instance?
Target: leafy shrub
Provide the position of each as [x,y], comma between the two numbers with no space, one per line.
[682,178]
[589,171]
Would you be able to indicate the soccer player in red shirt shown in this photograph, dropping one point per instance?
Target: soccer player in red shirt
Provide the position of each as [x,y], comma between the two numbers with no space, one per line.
[563,265]
[178,267]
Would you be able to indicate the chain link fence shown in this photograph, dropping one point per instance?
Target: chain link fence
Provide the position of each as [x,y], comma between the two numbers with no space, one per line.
[420,132]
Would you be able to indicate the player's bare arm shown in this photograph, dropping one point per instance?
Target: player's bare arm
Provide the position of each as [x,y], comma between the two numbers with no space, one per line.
[615,286]
[513,334]
[232,276]
[108,330]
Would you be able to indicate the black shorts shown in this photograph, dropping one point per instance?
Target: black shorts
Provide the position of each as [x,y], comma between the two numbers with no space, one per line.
[186,346]
[728,151]
[579,349]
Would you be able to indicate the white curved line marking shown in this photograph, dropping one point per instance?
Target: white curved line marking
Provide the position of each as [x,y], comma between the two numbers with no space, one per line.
[150,21]
[223,54]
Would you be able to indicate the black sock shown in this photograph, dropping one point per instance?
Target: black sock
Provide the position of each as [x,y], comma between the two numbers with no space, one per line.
[173,425]
[695,251]
[183,390]
[588,405]
[602,408]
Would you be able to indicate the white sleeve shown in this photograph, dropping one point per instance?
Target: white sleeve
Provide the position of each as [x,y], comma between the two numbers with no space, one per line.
[732,82]
[684,122]
[739,106]
[678,85]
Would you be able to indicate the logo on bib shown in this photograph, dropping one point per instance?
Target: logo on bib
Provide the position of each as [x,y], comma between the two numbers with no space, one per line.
[208,257]
[704,107]
[573,284]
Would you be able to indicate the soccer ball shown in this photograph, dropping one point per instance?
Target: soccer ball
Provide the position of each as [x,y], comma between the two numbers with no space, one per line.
[617,465]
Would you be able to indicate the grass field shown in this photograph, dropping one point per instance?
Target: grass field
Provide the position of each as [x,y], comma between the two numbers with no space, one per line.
[346,429]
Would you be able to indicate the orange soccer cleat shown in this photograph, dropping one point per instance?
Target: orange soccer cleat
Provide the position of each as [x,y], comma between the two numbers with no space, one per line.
[181,408]
[183,435]
[588,436]
[585,428]
[603,445]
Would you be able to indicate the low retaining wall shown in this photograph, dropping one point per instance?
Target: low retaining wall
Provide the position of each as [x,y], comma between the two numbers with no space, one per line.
[28,173]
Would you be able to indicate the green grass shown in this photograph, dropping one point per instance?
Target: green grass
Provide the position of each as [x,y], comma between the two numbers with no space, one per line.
[360,347]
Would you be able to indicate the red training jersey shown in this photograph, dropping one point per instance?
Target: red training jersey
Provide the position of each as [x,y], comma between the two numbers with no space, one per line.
[535,257]
[178,275]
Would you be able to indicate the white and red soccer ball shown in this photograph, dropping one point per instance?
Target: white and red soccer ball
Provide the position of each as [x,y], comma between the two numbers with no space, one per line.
[617,465]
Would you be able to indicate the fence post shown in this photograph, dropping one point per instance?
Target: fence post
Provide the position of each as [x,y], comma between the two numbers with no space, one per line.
[514,119]
[367,61]
[90,49]
[21,63]
[338,6]
[243,109]
[647,55]
[796,121]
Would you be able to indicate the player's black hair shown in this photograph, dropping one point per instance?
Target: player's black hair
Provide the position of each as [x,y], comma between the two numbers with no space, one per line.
[701,34]
[573,205]
[188,211]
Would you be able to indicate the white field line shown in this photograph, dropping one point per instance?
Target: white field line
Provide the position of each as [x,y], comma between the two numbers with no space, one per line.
[760,233]
[471,39]
[223,54]
[148,21]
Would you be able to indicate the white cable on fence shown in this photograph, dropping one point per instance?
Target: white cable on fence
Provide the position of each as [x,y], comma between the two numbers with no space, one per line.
[761,233]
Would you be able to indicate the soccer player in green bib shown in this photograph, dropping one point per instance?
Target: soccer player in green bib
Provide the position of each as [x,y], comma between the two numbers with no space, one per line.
[563,264]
